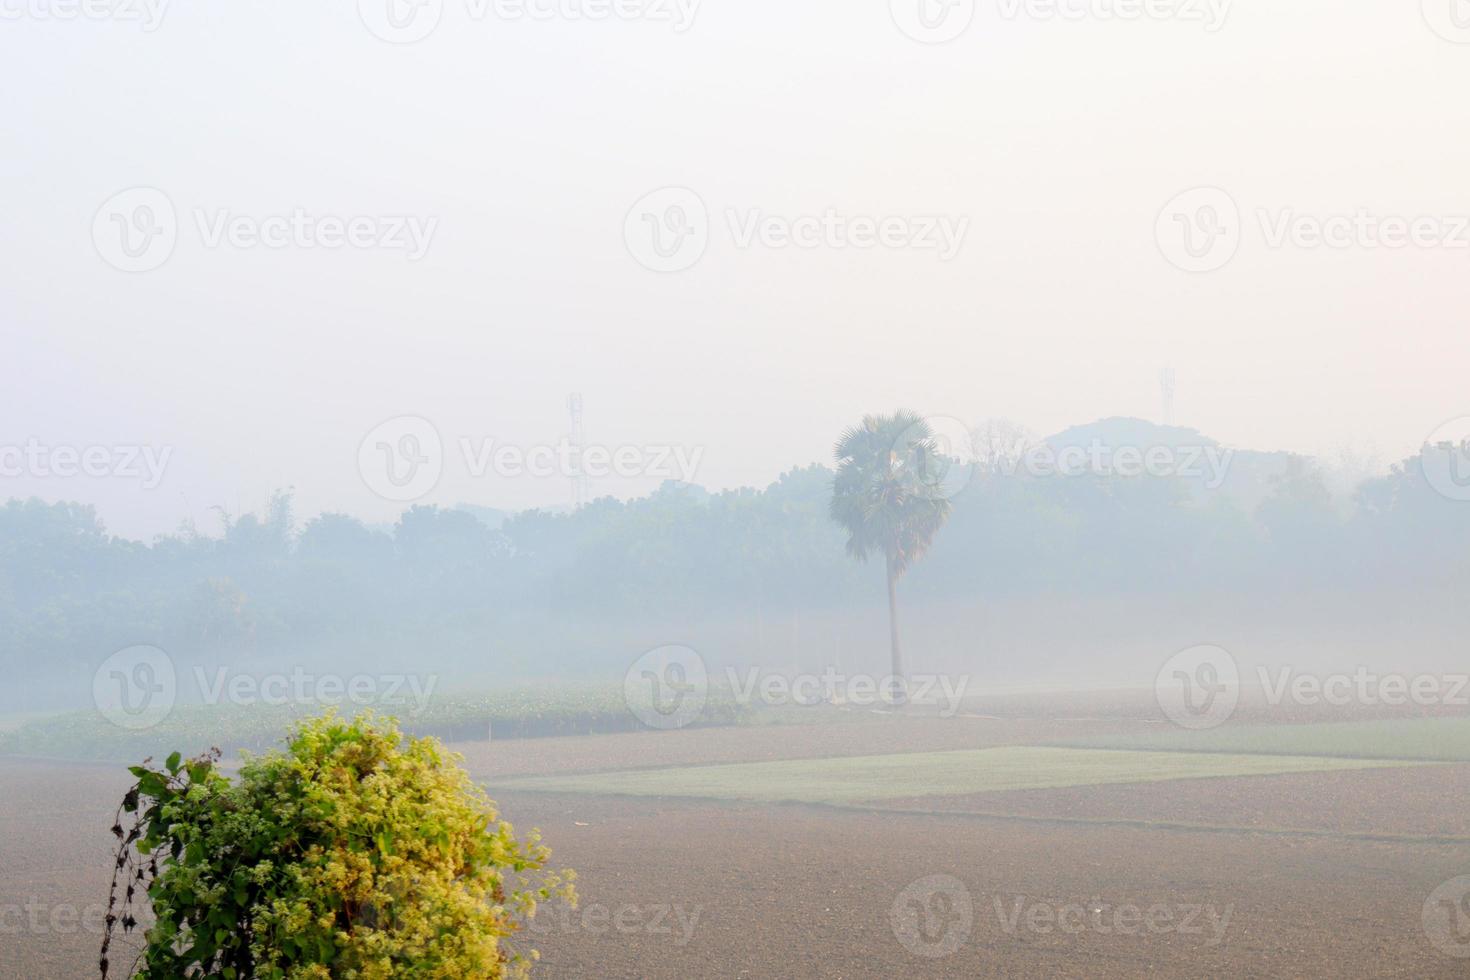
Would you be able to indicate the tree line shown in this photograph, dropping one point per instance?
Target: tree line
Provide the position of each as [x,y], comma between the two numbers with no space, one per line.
[445,579]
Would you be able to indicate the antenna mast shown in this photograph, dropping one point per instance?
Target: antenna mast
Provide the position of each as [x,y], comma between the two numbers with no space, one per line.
[1168,383]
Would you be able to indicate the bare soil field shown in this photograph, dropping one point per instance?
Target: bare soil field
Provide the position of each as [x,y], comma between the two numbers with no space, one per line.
[803,892]
[680,889]
[1427,801]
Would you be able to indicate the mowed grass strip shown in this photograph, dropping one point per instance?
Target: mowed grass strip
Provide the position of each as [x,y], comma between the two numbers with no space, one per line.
[1427,739]
[877,777]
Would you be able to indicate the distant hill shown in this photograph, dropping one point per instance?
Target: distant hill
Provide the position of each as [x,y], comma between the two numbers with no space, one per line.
[1124,431]
[1209,468]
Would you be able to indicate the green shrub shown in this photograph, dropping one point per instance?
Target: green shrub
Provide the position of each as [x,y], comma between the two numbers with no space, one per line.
[356,853]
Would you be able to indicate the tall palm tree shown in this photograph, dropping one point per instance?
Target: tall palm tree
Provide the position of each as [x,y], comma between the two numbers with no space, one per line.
[888,495]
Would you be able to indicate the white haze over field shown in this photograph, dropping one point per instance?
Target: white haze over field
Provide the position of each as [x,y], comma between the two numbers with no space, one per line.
[510,152]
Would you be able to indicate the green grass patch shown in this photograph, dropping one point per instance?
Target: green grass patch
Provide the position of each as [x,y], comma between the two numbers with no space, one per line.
[1426,739]
[879,777]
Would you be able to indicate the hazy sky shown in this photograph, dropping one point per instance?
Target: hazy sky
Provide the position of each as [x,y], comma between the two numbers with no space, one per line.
[519,147]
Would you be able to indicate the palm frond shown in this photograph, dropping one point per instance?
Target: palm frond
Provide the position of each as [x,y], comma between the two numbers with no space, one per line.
[886,492]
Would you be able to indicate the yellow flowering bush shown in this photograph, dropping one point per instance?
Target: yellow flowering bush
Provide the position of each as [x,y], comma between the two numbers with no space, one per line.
[356,853]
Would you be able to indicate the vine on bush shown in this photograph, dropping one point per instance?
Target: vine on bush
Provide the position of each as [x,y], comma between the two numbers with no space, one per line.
[355,853]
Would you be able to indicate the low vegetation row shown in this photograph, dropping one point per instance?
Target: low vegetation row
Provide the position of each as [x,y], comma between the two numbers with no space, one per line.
[587,709]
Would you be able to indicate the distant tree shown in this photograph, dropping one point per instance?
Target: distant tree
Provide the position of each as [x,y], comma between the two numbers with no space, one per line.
[888,495]
[344,540]
[999,445]
[1301,523]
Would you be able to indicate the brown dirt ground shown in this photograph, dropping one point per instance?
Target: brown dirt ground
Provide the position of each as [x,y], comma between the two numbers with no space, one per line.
[804,892]
[1425,801]
[792,891]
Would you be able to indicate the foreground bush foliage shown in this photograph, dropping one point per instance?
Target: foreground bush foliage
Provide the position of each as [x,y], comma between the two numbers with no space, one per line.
[356,853]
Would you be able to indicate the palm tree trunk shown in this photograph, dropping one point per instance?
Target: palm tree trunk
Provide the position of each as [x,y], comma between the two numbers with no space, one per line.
[900,694]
